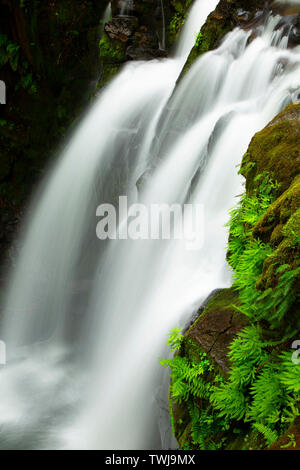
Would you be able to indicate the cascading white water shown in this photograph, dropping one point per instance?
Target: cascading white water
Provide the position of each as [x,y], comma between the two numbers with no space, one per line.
[86,325]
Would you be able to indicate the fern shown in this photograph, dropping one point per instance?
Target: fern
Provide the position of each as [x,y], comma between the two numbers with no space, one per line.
[270,435]
[262,391]
[289,374]
[229,400]
[268,396]
[175,339]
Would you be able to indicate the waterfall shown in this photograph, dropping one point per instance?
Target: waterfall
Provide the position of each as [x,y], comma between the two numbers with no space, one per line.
[85,322]
[126,7]
[106,17]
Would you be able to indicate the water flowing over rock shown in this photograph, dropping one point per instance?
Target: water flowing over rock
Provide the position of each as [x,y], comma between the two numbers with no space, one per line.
[85,322]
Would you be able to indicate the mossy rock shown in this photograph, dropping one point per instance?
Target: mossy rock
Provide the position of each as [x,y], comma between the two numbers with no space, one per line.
[212,333]
[275,150]
[228,15]
[270,227]
[177,12]
[215,329]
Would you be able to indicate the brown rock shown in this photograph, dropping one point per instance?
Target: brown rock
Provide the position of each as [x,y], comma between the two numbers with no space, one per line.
[121,28]
[218,327]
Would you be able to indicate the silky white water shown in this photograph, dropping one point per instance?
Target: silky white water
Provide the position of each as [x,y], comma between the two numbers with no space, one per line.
[85,321]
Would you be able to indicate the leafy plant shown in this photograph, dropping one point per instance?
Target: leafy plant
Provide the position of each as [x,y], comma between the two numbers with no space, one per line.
[10,54]
[262,392]
[292,442]
[199,38]
[269,435]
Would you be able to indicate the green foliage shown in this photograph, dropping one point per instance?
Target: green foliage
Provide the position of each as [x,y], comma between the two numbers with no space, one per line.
[292,442]
[268,396]
[269,435]
[188,385]
[187,377]
[247,353]
[176,24]
[10,54]
[175,339]
[259,386]
[262,392]
[199,39]
[112,51]
[230,401]
[248,254]
[290,374]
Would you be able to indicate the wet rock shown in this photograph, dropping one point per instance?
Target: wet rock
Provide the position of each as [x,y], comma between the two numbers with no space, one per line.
[228,15]
[243,16]
[145,46]
[201,310]
[217,327]
[121,28]
[295,33]
[140,53]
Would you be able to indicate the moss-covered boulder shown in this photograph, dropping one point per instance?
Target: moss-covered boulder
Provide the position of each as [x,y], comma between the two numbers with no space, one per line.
[275,149]
[248,396]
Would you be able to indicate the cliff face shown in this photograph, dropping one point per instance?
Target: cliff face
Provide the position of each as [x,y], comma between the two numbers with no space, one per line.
[246,392]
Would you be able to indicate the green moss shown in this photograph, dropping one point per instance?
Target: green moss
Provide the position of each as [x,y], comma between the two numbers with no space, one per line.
[111,50]
[177,11]
[276,149]
[112,56]
[226,300]
[208,38]
[175,26]
[181,6]
[218,24]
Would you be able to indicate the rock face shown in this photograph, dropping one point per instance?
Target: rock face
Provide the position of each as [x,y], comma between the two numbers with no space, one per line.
[218,326]
[121,28]
[273,158]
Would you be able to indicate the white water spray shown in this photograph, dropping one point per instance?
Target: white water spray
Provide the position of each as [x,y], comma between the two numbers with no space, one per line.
[85,325]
